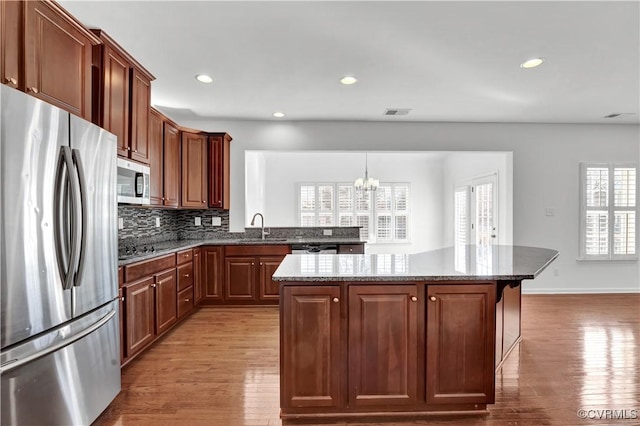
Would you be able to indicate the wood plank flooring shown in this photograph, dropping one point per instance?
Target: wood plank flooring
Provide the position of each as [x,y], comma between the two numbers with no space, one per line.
[220,367]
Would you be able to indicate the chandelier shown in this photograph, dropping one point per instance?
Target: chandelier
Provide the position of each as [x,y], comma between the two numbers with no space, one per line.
[366,184]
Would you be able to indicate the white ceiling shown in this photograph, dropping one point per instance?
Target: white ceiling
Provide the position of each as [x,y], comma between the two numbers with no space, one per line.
[446,61]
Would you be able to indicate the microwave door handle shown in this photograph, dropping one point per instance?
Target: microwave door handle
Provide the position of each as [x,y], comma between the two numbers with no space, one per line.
[138,184]
[61,215]
[81,227]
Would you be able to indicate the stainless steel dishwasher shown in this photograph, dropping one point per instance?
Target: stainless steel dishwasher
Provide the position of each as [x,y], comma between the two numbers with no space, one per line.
[314,248]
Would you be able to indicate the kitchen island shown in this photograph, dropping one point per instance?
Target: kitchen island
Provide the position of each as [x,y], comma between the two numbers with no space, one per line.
[399,335]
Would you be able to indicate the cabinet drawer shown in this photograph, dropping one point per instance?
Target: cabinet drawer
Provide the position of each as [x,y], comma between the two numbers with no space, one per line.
[185,301]
[351,249]
[184,256]
[145,268]
[185,276]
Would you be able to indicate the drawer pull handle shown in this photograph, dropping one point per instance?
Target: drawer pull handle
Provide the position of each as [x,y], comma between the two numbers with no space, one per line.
[414,299]
[336,300]
[432,298]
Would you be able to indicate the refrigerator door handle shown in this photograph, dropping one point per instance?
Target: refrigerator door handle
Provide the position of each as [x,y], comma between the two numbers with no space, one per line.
[16,363]
[66,245]
[81,227]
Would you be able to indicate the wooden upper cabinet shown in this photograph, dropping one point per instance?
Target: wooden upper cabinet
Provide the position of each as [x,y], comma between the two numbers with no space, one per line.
[111,108]
[156,158]
[57,58]
[219,167]
[11,43]
[140,106]
[460,344]
[383,351]
[194,170]
[172,164]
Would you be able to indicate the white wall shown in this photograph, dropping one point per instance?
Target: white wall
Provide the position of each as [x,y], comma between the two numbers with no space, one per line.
[284,170]
[545,174]
[464,166]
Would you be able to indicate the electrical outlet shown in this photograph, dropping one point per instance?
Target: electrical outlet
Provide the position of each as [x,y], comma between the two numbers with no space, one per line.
[198,221]
[157,222]
[327,232]
[120,223]
[216,221]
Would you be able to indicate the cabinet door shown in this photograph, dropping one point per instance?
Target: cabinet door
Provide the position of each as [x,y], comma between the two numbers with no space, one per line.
[212,277]
[115,103]
[310,367]
[219,163]
[139,315]
[166,293]
[123,341]
[194,170]
[156,158]
[197,276]
[185,302]
[171,166]
[240,278]
[57,59]
[383,345]
[460,343]
[140,105]
[269,289]
[11,43]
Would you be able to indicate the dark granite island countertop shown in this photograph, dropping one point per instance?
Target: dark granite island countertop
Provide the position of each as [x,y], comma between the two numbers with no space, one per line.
[460,263]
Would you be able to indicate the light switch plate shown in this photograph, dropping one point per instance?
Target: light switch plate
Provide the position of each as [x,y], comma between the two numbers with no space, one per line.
[327,232]
[157,222]
[216,221]
[198,221]
[120,223]
[549,211]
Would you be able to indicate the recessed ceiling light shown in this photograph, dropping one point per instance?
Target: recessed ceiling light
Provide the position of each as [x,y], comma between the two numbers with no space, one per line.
[348,79]
[532,63]
[203,78]
[278,114]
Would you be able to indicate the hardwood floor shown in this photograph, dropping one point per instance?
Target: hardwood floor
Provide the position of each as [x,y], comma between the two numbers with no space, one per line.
[220,367]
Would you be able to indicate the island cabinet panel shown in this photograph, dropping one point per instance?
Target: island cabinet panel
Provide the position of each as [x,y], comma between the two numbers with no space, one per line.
[212,276]
[460,344]
[310,367]
[510,318]
[239,278]
[383,350]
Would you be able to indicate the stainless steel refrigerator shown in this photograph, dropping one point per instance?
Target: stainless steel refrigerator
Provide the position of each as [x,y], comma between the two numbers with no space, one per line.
[60,353]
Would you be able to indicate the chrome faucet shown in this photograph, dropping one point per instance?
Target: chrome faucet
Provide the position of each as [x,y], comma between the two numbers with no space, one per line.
[253,221]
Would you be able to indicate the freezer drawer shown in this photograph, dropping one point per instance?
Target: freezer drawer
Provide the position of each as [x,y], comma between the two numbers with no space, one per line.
[69,386]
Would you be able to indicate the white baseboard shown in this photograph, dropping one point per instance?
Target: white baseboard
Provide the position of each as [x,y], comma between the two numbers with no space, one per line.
[579,290]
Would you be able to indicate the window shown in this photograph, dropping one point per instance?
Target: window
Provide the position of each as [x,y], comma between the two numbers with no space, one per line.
[382,215]
[608,196]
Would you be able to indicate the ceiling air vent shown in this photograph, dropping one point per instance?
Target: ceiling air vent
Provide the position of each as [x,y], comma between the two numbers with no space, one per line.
[397,111]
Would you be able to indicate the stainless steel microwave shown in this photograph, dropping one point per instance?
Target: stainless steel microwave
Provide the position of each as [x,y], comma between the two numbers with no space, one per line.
[133,182]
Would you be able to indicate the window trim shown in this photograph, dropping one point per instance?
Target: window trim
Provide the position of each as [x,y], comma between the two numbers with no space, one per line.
[610,209]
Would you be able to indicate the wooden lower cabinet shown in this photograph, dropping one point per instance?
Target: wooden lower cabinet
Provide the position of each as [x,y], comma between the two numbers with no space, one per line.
[268,289]
[212,264]
[198,291]
[139,306]
[383,345]
[460,344]
[239,278]
[165,297]
[310,353]
[410,348]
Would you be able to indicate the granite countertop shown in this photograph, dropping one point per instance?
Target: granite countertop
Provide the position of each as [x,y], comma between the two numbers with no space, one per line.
[460,263]
[167,247]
